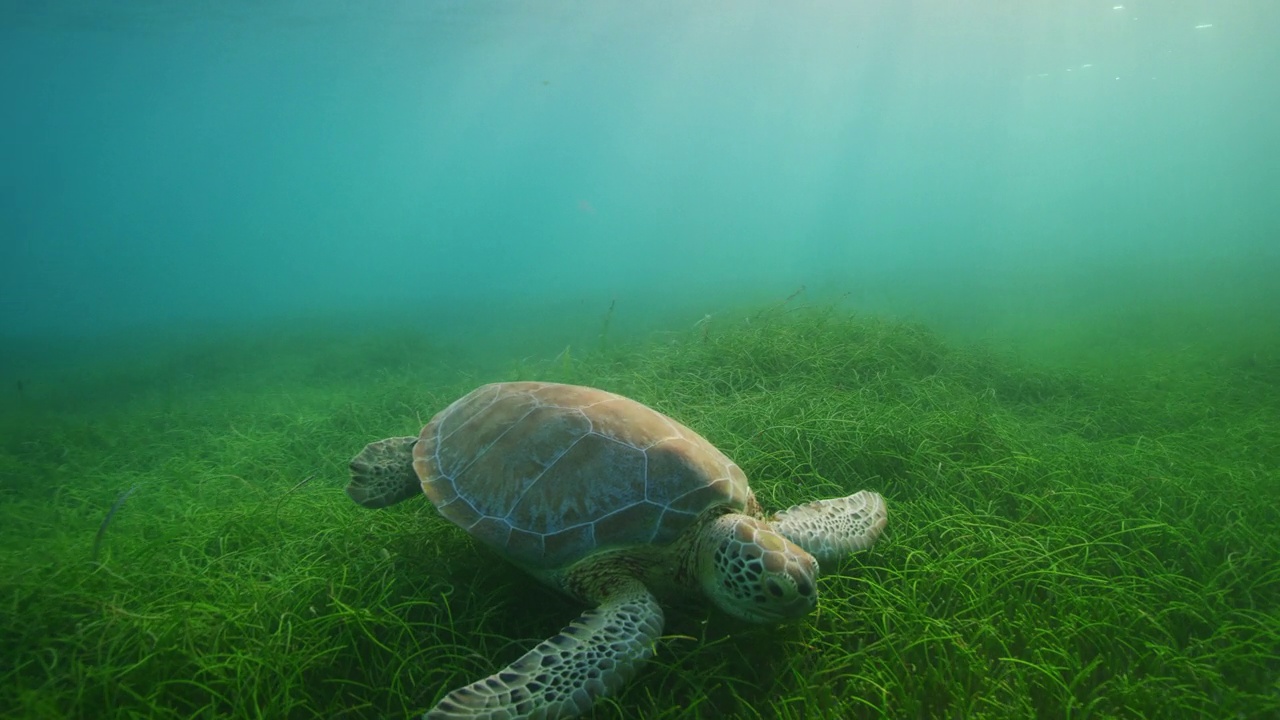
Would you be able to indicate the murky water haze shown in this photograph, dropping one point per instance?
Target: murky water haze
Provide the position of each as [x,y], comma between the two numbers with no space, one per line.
[470,167]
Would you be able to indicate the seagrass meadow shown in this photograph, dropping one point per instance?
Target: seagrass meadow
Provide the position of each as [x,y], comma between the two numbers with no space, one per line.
[1065,540]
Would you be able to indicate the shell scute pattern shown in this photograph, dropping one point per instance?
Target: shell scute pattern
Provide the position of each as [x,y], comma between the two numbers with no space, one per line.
[596,476]
[546,474]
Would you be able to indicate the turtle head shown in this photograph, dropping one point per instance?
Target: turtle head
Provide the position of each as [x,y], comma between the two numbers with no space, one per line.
[752,572]
[382,474]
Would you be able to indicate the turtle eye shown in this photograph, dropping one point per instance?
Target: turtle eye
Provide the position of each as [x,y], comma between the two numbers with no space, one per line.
[773,587]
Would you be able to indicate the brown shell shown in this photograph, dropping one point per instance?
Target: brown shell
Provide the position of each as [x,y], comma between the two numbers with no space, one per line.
[547,474]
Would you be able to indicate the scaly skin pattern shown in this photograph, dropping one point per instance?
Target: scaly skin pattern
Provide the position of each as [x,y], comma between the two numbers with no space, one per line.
[832,529]
[564,675]
[382,474]
[752,572]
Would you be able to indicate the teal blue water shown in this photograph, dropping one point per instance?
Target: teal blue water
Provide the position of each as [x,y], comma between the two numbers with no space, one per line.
[986,167]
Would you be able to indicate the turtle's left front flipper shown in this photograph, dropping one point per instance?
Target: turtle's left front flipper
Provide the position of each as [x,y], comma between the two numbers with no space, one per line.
[564,675]
[831,529]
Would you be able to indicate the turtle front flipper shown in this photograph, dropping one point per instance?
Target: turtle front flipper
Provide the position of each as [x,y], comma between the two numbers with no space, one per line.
[831,529]
[382,474]
[564,675]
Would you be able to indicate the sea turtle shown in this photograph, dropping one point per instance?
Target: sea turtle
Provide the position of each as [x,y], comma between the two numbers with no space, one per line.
[616,505]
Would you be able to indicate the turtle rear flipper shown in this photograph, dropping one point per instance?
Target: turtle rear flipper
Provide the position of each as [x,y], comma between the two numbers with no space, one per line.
[563,676]
[831,529]
[382,474]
